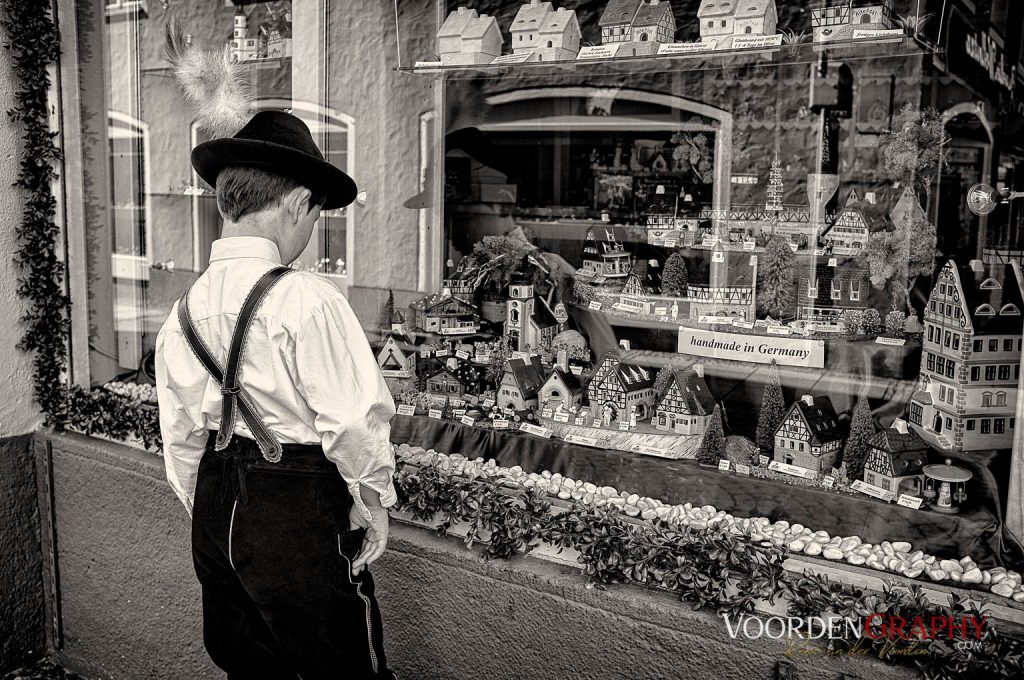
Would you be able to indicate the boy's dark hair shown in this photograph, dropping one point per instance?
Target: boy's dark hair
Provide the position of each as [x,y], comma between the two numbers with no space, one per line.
[243,189]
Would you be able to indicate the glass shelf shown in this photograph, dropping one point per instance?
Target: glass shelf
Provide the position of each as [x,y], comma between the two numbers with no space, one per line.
[705,60]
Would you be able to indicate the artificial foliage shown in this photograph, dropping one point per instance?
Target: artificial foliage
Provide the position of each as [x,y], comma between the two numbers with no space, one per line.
[872,321]
[387,315]
[853,324]
[862,428]
[675,278]
[712,444]
[895,324]
[772,411]
[915,148]
[663,379]
[776,278]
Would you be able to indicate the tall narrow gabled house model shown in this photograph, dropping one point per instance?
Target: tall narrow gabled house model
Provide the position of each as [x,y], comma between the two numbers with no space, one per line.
[621,389]
[468,38]
[970,360]
[810,435]
[529,322]
[895,458]
[545,33]
[521,383]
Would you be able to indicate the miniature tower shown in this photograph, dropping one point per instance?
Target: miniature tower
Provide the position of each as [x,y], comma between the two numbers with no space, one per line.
[775,187]
[241,27]
[517,318]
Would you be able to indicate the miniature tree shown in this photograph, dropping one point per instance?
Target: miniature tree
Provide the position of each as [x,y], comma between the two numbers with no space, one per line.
[584,292]
[447,412]
[872,322]
[663,379]
[695,152]
[387,316]
[712,445]
[915,149]
[777,276]
[855,453]
[500,351]
[894,323]
[900,256]
[853,324]
[773,410]
[675,279]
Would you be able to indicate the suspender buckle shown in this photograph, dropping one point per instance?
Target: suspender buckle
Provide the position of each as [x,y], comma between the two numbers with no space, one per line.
[234,390]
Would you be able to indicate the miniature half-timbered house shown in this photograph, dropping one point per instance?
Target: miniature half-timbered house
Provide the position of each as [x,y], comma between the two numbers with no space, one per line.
[546,33]
[521,383]
[849,231]
[722,20]
[467,38]
[395,362]
[633,297]
[453,377]
[729,292]
[562,388]
[529,322]
[616,21]
[809,436]
[620,390]
[838,19]
[444,313]
[895,458]
[687,404]
[970,359]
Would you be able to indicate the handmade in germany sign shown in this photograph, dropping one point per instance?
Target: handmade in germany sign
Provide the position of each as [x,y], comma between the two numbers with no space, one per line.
[754,348]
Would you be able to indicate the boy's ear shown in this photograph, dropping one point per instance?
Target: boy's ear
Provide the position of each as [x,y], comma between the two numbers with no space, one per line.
[297,203]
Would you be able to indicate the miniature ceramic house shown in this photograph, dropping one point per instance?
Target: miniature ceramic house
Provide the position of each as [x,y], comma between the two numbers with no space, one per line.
[639,26]
[468,38]
[605,258]
[546,33]
[616,21]
[245,39]
[633,297]
[394,362]
[838,19]
[529,322]
[834,290]
[809,436]
[521,383]
[730,287]
[687,404]
[621,390]
[848,232]
[661,218]
[970,363]
[453,378]
[895,459]
[722,20]
[561,389]
[444,313]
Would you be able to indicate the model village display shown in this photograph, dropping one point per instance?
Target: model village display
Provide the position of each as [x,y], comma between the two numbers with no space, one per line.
[542,32]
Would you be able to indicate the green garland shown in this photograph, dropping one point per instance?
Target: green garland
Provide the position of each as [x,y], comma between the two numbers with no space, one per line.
[41,272]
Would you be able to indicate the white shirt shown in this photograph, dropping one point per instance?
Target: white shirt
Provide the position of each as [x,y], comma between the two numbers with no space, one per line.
[307,366]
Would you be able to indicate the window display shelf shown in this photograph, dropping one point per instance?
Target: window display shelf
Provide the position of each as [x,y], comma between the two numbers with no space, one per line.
[695,58]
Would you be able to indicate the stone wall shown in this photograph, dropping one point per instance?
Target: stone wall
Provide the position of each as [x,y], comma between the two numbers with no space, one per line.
[130,603]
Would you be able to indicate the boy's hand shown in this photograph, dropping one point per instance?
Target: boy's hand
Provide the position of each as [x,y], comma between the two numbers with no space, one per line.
[376,539]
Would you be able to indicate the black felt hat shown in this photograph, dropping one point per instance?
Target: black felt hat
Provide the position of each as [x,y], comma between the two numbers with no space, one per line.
[282,143]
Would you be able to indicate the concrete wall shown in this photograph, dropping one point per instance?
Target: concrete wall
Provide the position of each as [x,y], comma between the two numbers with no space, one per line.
[20,584]
[130,603]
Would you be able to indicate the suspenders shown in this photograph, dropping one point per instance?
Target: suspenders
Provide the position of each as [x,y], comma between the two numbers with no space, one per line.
[236,399]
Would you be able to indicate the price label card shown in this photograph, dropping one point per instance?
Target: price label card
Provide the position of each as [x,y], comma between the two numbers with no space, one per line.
[792,470]
[594,304]
[407,410]
[624,425]
[434,413]
[833,262]
[545,413]
[509,411]
[598,51]
[467,420]
[483,357]
[530,428]
[455,401]
[828,482]
[488,403]
[743,469]
[909,501]
[597,422]
[580,439]
[873,491]
[723,465]
[763,460]
[576,370]
[671,243]
[462,354]
[562,417]
[500,424]
[580,420]
[459,412]
[444,352]
[512,58]
[685,48]
[898,342]
[425,353]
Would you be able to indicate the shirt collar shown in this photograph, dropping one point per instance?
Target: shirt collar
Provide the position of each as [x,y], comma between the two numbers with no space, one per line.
[244,246]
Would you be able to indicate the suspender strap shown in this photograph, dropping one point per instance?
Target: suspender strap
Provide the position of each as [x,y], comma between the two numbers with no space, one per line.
[235,399]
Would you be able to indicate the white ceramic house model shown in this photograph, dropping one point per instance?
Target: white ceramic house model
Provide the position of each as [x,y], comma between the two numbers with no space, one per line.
[722,20]
[546,33]
[529,323]
[838,19]
[468,38]
[244,45]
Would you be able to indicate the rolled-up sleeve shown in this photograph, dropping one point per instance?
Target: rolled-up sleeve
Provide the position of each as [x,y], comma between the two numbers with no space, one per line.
[342,384]
[183,442]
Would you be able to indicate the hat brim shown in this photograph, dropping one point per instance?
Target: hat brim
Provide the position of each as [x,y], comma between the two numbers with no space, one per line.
[209,158]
